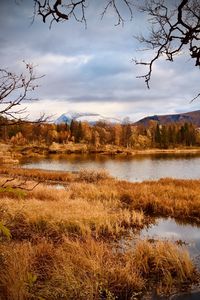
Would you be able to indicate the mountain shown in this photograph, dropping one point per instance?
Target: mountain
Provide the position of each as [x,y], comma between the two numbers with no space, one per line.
[91,118]
[189,117]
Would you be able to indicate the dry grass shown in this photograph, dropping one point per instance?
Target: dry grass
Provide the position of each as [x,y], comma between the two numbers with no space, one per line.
[54,213]
[89,270]
[166,197]
[164,261]
[64,242]
[39,175]
[82,209]
[93,176]
[15,261]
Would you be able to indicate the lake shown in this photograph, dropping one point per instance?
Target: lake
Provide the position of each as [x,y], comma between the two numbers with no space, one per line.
[131,168]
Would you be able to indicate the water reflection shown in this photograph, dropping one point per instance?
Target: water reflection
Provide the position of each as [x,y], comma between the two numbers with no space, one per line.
[169,229]
[132,168]
[189,296]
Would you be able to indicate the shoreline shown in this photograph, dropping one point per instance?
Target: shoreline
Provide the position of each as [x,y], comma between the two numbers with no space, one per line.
[12,154]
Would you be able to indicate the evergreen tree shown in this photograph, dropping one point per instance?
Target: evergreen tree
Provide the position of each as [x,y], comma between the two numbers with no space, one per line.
[164,137]
[158,135]
[74,129]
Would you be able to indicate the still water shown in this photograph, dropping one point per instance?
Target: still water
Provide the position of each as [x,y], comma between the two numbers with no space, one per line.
[169,229]
[131,168]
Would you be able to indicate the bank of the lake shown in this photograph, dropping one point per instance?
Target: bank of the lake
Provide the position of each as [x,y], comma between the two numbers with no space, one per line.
[34,150]
[12,154]
[72,148]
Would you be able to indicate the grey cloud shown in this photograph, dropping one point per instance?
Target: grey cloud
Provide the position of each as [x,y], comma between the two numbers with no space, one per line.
[107,76]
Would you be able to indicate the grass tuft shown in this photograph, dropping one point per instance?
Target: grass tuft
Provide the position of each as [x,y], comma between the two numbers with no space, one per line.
[93,176]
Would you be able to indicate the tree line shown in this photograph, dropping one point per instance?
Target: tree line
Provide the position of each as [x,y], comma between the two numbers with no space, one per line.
[102,133]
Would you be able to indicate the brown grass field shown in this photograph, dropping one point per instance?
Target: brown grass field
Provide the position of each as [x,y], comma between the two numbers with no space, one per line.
[64,244]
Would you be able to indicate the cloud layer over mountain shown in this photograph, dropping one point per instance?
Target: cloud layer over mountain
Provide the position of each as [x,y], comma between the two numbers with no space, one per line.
[91,69]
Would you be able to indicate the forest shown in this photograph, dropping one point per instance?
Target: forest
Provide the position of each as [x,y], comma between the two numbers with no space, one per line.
[102,133]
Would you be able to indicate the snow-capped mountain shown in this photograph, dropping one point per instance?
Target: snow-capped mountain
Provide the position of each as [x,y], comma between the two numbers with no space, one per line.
[91,118]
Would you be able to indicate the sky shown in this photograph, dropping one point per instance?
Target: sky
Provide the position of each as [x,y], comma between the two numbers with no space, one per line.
[91,69]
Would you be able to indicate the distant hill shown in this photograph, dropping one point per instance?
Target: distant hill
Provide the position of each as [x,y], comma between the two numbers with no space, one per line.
[190,117]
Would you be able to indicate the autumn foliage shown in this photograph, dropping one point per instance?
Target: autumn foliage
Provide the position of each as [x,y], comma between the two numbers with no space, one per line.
[123,135]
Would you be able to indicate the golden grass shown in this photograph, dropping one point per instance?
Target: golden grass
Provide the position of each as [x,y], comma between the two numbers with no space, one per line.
[64,242]
[166,197]
[89,269]
[167,263]
[37,174]
[15,262]
[54,213]
[93,176]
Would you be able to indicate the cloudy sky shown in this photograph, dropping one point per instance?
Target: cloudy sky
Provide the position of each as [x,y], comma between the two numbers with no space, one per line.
[91,70]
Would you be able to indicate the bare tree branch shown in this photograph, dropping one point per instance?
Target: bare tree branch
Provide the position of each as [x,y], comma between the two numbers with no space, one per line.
[14,89]
[197,96]
[21,185]
[7,180]
[113,4]
[174,30]
[63,10]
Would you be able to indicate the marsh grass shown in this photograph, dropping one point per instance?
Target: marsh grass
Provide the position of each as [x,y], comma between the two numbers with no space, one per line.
[89,269]
[64,243]
[64,215]
[166,197]
[37,174]
[93,176]
[166,263]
